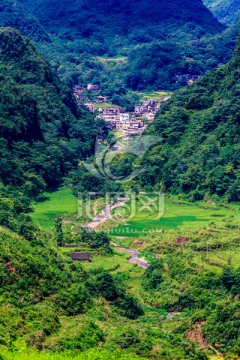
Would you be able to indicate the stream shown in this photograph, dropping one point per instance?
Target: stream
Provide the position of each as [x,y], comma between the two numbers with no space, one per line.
[102,218]
[104,215]
[141,262]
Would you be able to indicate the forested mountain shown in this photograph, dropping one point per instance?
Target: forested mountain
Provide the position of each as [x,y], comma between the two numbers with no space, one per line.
[43,135]
[225,11]
[39,288]
[110,308]
[14,14]
[151,43]
[108,19]
[42,132]
[199,153]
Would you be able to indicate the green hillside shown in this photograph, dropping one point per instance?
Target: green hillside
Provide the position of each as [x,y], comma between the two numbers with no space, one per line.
[120,17]
[199,154]
[42,132]
[14,14]
[158,40]
[225,11]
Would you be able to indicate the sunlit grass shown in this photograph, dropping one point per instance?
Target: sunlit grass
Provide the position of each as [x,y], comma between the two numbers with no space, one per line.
[154,95]
[93,354]
[54,204]
[176,214]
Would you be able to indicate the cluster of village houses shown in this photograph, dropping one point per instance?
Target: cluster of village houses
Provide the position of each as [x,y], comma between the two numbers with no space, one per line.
[129,123]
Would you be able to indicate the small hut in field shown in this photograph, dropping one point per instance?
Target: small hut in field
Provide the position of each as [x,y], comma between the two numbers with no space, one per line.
[78,256]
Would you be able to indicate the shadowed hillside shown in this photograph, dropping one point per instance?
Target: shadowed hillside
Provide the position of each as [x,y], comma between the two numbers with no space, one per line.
[14,14]
[42,132]
[111,18]
[225,11]
[159,40]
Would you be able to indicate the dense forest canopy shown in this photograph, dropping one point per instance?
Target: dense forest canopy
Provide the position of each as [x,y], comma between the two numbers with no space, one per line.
[16,15]
[200,127]
[151,43]
[43,133]
[120,17]
[226,11]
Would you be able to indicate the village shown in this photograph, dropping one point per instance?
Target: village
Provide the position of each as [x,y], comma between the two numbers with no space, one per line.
[118,119]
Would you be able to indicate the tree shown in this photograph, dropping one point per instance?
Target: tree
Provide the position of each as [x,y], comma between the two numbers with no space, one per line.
[129,307]
[59,231]
[106,286]
[26,227]
[153,276]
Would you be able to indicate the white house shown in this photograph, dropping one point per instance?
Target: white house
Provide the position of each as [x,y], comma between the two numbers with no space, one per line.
[124,117]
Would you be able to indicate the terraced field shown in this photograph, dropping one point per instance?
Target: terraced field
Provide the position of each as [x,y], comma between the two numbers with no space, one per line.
[173,214]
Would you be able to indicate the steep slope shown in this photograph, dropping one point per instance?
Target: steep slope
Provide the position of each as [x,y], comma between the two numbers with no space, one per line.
[39,287]
[225,11]
[157,40]
[14,14]
[200,128]
[120,17]
[42,132]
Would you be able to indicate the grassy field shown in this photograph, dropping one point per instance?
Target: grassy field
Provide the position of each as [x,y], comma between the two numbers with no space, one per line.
[93,354]
[114,263]
[103,105]
[138,221]
[147,220]
[117,133]
[114,59]
[54,204]
[155,95]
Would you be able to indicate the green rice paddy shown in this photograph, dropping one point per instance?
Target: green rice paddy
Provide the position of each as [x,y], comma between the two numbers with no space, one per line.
[145,221]
[154,95]
[138,221]
[53,204]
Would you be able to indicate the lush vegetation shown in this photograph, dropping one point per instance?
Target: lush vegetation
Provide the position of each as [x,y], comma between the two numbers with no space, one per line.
[123,46]
[134,45]
[185,305]
[198,304]
[38,287]
[225,11]
[43,133]
[14,14]
[94,354]
[52,205]
[52,13]
[199,128]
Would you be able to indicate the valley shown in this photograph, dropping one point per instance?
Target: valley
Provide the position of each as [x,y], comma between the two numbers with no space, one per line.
[207,242]
[125,123]
[119,180]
